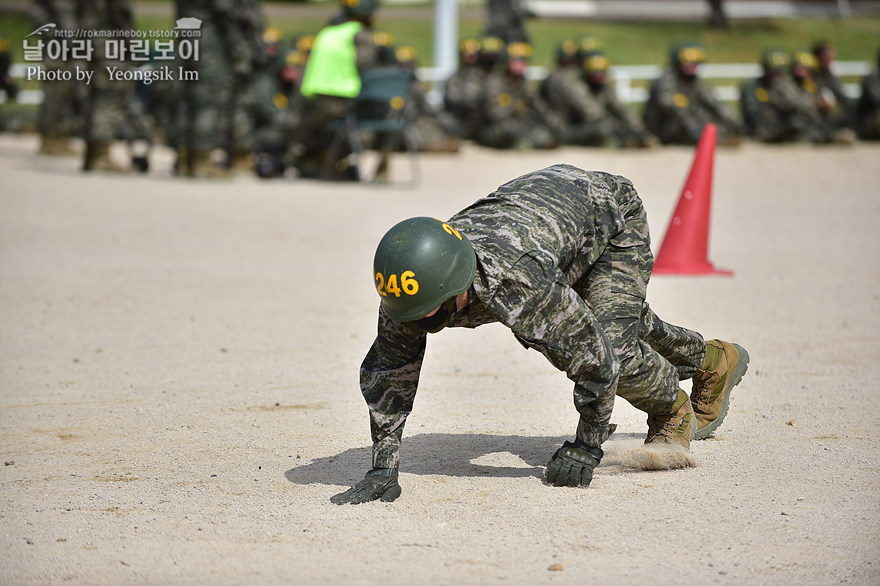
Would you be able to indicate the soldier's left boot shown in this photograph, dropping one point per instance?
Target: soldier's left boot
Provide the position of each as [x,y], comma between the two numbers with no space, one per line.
[97,158]
[242,161]
[722,369]
[675,426]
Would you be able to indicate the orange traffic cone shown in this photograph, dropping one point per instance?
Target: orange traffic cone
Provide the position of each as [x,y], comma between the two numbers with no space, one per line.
[685,246]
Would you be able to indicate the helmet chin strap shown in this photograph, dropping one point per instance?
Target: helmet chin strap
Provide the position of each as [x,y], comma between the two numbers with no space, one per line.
[433,324]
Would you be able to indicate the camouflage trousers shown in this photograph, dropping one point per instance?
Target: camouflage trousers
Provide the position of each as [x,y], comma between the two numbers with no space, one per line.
[601,332]
[314,137]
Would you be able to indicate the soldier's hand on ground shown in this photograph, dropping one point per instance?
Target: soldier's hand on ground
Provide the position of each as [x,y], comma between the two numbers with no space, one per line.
[572,464]
[379,483]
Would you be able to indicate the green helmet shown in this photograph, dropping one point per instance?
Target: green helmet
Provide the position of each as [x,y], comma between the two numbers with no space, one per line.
[419,264]
[688,52]
[566,52]
[595,62]
[775,60]
[359,8]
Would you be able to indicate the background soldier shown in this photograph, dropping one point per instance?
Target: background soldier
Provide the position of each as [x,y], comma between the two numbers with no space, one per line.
[568,96]
[680,104]
[60,116]
[803,67]
[463,91]
[111,105]
[247,51]
[623,127]
[279,109]
[205,132]
[513,115]
[774,109]
[340,53]
[506,19]
[840,107]
[562,257]
[867,113]
[433,130]
[7,84]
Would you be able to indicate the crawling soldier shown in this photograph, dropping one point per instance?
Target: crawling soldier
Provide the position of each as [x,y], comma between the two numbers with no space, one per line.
[562,257]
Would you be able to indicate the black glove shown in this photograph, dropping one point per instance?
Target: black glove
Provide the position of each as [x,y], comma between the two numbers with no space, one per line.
[572,464]
[379,483]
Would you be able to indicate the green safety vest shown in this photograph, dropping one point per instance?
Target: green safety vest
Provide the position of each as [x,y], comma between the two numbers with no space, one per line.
[332,66]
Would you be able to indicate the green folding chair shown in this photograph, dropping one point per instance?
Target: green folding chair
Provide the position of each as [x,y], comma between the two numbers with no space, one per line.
[379,110]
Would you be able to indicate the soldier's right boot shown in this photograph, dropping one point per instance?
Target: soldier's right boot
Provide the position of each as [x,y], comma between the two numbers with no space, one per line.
[97,158]
[55,145]
[675,426]
[723,368]
[202,166]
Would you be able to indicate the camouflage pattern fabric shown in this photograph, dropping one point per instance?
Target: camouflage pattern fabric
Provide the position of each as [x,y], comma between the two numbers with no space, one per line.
[775,110]
[625,128]
[563,260]
[203,116]
[278,111]
[568,95]
[248,59]
[61,111]
[433,130]
[677,110]
[868,109]
[505,19]
[463,97]
[840,112]
[513,115]
[313,138]
[111,111]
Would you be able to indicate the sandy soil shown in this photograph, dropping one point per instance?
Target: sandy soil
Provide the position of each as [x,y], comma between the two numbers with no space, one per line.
[179,399]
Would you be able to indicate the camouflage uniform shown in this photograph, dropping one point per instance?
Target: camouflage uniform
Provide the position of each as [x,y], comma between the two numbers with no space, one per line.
[60,116]
[567,95]
[249,60]
[867,113]
[278,111]
[620,127]
[313,137]
[775,110]
[206,109]
[839,109]
[678,108]
[563,260]
[625,127]
[505,19]
[433,129]
[8,86]
[513,115]
[463,91]
[112,108]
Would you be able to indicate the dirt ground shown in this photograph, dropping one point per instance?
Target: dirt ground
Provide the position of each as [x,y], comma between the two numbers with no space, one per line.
[179,395]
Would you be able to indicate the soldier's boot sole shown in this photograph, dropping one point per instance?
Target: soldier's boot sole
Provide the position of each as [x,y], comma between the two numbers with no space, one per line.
[742,365]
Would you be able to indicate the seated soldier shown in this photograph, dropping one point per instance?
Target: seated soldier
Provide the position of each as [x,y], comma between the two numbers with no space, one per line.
[680,104]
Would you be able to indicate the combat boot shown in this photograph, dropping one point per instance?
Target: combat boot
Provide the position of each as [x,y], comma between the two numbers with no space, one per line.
[201,166]
[242,161]
[675,426]
[97,158]
[723,368]
[55,145]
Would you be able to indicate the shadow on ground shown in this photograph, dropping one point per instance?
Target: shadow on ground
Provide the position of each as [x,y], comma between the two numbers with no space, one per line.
[446,454]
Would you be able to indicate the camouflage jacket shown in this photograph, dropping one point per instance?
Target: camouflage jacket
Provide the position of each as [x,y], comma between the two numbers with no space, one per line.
[514,101]
[769,106]
[868,109]
[532,234]
[831,87]
[676,110]
[565,92]
[606,97]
